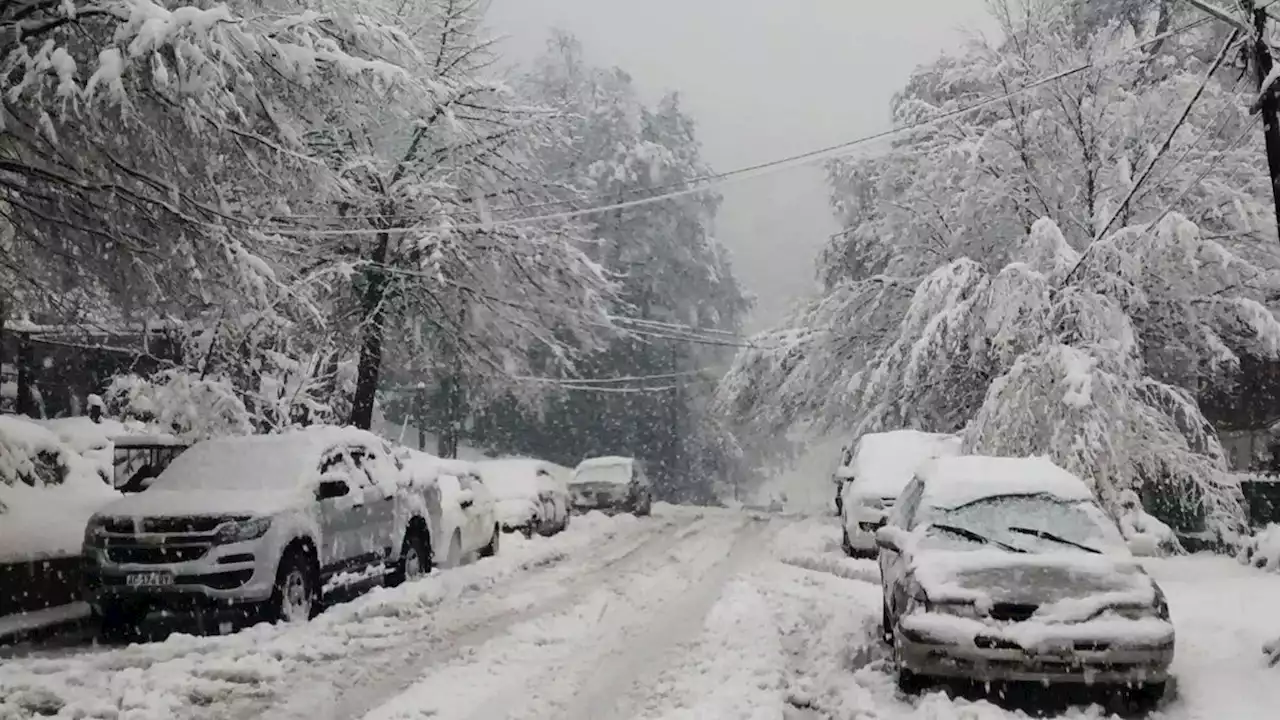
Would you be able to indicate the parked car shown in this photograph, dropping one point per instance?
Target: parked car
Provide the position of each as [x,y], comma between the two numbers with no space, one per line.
[460,508]
[611,484]
[530,495]
[261,525]
[1005,569]
[875,470]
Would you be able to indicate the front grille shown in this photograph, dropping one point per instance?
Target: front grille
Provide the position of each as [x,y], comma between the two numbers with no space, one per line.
[196,524]
[986,642]
[154,554]
[120,526]
[1016,612]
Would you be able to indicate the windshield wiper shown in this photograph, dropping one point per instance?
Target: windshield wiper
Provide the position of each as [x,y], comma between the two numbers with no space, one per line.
[1046,535]
[976,537]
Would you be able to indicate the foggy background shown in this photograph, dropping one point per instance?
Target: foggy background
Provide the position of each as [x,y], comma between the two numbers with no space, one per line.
[764,79]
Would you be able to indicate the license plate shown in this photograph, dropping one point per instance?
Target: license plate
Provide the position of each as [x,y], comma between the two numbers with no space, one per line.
[151,579]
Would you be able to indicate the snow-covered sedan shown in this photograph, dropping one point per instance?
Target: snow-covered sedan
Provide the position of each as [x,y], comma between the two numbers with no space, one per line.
[460,508]
[611,484]
[530,495]
[267,524]
[1006,570]
[873,473]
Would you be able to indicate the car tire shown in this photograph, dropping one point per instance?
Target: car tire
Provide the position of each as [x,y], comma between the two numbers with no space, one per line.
[118,622]
[296,595]
[910,683]
[491,549]
[416,550]
[1143,699]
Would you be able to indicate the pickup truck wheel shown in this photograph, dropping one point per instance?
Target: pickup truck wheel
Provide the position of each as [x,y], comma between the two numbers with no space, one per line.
[294,598]
[415,559]
[118,622]
[492,548]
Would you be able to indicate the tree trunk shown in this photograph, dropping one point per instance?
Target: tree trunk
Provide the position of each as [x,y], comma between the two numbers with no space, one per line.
[26,401]
[372,315]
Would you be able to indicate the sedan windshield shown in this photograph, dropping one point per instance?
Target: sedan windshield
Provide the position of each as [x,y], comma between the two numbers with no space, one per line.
[1032,523]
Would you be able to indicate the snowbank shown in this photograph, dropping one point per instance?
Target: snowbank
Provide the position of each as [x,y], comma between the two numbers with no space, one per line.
[47,493]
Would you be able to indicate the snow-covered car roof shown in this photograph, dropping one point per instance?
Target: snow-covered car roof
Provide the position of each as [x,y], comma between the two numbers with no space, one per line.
[885,462]
[266,462]
[608,469]
[513,477]
[950,482]
[426,466]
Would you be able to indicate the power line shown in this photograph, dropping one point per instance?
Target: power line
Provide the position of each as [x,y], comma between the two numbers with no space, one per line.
[611,380]
[706,182]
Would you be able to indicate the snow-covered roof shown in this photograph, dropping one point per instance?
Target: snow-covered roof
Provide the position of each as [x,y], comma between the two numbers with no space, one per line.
[426,466]
[886,462]
[513,477]
[610,469]
[954,481]
[258,462]
[605,461]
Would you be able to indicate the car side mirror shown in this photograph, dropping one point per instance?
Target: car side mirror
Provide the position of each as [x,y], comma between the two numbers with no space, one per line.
[332,487]
[889,538]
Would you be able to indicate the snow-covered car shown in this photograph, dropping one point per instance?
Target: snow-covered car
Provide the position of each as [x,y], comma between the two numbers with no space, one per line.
[460,508]
[259,525]
[530,495]
[873,473]
[611,484]
[1005,569]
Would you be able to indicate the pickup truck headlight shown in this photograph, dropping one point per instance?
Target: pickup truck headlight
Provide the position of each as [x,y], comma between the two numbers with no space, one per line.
[965,610]
[1135,612]
[240,530]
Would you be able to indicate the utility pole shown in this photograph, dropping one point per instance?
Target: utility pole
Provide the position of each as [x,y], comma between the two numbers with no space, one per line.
[1254,27]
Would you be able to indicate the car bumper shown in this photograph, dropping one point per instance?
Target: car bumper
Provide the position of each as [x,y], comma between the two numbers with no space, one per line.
[1115,666]
[229,575]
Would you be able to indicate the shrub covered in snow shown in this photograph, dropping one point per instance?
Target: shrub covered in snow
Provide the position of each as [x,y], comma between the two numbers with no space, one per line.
[1262,550]
[180,402]
[47,492]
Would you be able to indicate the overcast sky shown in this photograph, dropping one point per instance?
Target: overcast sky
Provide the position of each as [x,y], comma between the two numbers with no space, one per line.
[763,79]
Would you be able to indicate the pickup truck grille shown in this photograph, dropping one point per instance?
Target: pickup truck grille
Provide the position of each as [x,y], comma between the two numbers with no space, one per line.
[155,554]
[195,524]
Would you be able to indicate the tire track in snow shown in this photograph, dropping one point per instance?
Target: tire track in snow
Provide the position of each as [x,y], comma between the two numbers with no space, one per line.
[453,631]
[540,668]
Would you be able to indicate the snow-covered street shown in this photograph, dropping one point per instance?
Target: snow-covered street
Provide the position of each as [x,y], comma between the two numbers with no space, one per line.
[688,614]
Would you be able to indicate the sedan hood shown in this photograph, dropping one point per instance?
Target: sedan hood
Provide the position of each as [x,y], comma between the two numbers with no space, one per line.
[188,503]
[1043,580]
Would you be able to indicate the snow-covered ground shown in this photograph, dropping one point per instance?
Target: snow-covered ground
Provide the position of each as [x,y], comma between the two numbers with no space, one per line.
[689,615]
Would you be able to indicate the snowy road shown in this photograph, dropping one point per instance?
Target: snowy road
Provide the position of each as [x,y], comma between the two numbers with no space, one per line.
[686,615]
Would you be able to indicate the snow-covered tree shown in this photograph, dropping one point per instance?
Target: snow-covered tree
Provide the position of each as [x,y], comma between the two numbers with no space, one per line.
[1038,273]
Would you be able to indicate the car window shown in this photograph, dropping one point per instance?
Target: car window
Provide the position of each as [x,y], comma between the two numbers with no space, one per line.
[364,460]
[1035,523]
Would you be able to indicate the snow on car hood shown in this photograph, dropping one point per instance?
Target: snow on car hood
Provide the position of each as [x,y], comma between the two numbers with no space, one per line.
[1065,586]
[181,503]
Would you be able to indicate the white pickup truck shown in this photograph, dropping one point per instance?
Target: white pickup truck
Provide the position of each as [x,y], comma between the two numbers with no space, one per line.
[262,525]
